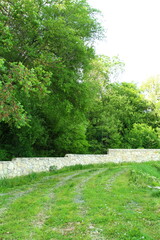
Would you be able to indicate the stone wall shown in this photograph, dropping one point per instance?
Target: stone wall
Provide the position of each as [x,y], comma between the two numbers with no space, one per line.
[24,166]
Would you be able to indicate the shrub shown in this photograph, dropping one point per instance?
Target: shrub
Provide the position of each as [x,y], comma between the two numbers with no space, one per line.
[53,168]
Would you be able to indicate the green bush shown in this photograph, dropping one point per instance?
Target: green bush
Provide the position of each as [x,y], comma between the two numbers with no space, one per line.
[53,168]
[4,155]
[143,136]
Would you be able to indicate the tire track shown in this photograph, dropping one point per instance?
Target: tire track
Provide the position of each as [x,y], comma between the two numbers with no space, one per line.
[15,195]
[95,233]
[79,189]
[43,216]
[113,179]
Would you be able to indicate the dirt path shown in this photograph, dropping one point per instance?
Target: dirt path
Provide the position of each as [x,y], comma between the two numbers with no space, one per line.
[43,216]
[79,191]
[95,233]
[17,194]
[88,204]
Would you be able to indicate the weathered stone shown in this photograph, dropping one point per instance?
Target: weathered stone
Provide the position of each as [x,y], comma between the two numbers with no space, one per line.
[24,166]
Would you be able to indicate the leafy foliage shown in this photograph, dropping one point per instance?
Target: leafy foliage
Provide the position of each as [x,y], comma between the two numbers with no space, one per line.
[46,50]
[115,116]
[143,136]
[56,95]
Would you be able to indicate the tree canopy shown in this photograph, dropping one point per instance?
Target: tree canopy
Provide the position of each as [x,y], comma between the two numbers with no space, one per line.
[56,94]
[151,90]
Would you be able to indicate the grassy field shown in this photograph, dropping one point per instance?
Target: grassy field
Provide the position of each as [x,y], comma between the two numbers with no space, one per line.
[93,202]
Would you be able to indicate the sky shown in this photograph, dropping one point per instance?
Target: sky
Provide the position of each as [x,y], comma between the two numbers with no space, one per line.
[132,33]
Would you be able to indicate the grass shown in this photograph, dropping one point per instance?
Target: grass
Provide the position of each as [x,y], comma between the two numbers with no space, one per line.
[92,202]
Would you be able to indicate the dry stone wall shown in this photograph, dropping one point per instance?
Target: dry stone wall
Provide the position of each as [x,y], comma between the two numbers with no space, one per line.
[24,166]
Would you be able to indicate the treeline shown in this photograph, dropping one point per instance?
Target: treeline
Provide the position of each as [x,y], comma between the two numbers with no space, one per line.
[56,96]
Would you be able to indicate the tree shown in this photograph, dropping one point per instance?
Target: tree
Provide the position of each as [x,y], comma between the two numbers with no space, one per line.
[143,136]
[46,50]
[151,90]
[114,116]
[17,84]
[102,69]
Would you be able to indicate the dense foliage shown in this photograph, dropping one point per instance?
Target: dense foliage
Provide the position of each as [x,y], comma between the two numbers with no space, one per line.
[55,93]
[122,118]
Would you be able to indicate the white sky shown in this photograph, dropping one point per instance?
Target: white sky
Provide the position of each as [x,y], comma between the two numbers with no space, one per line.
[133,33]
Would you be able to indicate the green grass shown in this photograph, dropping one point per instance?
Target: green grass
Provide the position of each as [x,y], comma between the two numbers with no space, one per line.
[103,201]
